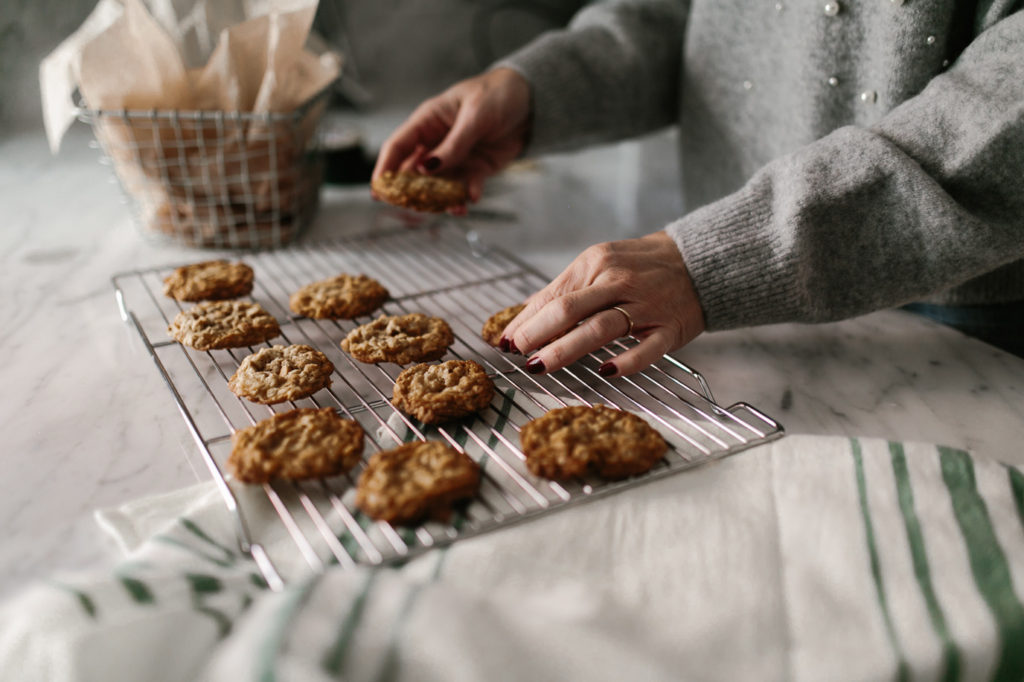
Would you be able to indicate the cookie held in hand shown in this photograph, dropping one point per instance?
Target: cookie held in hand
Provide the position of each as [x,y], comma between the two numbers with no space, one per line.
[416,481]
[572,441]
[428,193]
[437,393]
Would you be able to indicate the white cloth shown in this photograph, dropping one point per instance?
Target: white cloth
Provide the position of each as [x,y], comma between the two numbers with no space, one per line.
[806,559]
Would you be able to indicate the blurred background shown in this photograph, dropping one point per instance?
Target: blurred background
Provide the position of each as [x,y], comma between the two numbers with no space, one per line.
[397,52]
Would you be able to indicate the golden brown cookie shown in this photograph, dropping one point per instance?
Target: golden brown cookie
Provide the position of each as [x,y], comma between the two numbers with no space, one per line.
[212,280]
[435,393]
[399,338]
[301,443]
[570,441]
[341,297]
[223,324]
[497,322]
[420,192]
[279,373]
[416,481]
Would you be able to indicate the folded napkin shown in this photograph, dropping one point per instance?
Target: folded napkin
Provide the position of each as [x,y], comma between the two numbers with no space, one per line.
[808,558]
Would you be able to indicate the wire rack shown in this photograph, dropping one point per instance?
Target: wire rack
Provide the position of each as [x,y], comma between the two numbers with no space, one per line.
[441,270]
[215,178]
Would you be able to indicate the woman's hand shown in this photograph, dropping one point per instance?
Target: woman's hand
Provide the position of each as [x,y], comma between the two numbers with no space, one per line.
[645,277]
[471,130]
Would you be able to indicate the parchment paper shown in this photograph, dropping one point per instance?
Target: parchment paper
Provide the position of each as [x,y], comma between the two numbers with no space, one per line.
[220,180]
[234,55]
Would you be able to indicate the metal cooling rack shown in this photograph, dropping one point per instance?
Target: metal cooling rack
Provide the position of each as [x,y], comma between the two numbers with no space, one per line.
[440,270]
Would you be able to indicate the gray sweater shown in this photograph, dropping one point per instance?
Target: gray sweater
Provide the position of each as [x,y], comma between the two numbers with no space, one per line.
[838,156]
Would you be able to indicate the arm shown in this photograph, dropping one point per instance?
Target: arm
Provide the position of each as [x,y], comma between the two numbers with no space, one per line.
[928,198]
[613,73]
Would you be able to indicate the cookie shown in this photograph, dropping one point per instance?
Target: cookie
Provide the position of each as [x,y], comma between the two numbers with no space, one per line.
[342,297]
[223,324]
[213,280]
[279,373]
[497,322]
[416,481]
[428,193]
[572,441]
[298,444]
[400,339]
[436,393]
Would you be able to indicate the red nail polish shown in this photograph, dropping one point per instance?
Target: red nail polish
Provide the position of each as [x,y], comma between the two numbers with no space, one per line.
[432,163]
[512,346]
[504,344]
[607,369]
[535,366]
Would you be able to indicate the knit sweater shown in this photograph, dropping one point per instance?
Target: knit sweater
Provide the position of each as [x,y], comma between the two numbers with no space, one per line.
[838,156]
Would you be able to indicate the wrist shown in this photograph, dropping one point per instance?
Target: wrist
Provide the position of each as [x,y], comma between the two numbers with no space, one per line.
[517,102]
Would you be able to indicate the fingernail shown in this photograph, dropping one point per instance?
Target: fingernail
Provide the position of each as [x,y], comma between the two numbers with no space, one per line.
[535,366]
[607,369]
[512,346]
[432,163]
[504,344]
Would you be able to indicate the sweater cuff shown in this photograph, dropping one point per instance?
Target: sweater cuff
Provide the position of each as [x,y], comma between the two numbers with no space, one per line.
[742,270]
[556,96]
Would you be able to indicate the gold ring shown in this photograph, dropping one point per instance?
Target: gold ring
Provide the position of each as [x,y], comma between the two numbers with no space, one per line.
[629,319]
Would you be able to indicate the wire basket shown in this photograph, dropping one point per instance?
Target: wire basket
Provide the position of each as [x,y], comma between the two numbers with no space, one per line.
[216,179]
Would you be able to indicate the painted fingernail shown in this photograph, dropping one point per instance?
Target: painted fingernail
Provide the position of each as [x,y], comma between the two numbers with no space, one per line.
[512,346]
[535,366]
[504,344]
[432,163]
[608,369]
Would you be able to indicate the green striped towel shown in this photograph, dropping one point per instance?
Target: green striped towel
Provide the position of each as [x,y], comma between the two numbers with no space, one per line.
[810,558]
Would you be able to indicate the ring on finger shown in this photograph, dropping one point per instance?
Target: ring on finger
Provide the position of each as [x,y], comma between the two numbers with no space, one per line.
[629,319]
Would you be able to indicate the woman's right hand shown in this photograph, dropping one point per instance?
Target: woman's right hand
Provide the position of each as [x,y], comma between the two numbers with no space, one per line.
[471,131]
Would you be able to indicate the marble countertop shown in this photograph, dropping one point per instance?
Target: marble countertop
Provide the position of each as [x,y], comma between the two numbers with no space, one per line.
[87,422]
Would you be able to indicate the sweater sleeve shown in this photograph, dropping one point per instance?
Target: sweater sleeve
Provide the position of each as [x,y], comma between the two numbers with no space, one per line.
[866,218]
[612,73]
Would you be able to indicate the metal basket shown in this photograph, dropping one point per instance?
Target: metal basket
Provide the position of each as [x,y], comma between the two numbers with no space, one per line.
[216,179]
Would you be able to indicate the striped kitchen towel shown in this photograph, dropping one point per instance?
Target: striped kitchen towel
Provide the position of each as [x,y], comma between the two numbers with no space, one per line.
[809,558]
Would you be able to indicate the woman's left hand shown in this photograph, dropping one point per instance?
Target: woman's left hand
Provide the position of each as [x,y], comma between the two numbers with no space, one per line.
[645,277]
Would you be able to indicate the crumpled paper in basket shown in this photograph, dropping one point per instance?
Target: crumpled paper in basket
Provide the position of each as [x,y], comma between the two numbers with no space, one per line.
[193,178]
[229,55]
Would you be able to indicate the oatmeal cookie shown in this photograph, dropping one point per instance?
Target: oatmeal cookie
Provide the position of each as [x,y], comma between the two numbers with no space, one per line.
[212,280]
[570,441]
[223,324]
[497,322]
[400,339]
[341,297]
[435,393]
[279,373]
[428,193]
[416,481]
[301,443]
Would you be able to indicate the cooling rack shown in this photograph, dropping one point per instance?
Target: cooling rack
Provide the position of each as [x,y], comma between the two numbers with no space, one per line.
[444,270]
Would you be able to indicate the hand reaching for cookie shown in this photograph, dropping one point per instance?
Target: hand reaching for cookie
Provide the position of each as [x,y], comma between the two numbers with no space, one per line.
[470,131]
[634,286]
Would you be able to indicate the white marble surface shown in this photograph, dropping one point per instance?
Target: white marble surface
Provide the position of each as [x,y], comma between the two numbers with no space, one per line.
[87,422]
